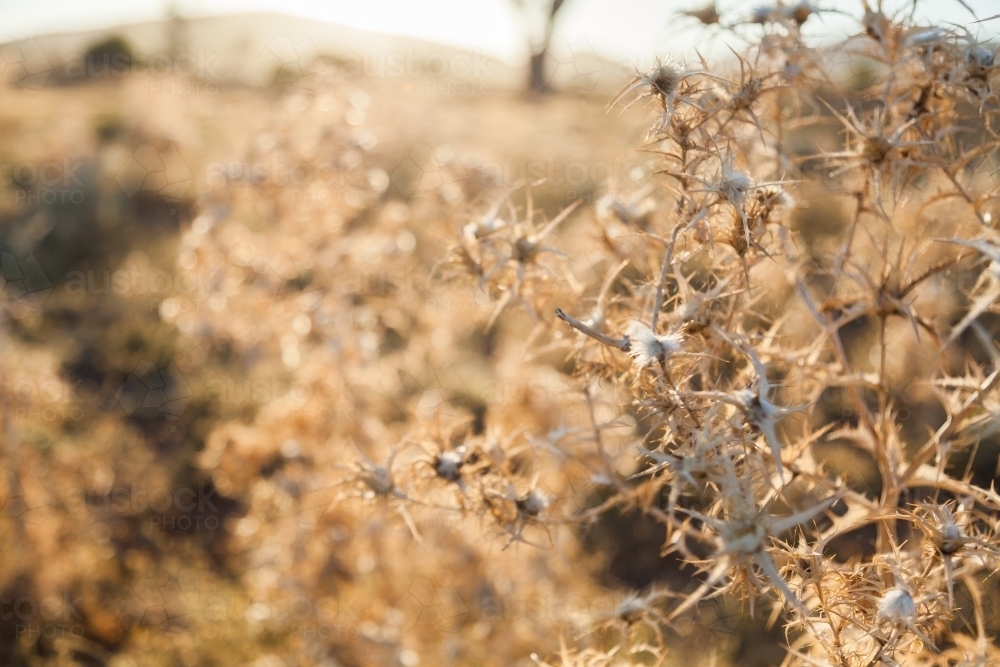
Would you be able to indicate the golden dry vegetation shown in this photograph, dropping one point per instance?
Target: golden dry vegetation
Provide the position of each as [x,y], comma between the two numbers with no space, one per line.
[344,371]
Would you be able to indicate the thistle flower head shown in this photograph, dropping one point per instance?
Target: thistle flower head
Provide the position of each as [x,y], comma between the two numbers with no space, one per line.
[661,82]
[666,75]
[646,346]
[448,465]
[533,503]
[734,184]
[978,56]
[898,607]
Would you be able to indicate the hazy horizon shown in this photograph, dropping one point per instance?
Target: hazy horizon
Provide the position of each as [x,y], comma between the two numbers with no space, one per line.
[631,27]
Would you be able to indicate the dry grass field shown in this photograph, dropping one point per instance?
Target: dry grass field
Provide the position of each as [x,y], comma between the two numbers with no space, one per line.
[319,368]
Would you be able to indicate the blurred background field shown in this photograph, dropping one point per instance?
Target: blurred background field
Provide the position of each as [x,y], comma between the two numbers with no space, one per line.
[220,243]
[211,282]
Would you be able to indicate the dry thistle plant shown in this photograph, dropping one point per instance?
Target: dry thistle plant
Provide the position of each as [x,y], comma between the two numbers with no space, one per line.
[751,340]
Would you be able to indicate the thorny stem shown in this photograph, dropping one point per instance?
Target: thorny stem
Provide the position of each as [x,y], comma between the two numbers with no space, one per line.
[832,331]
[667,261]
[619,343]
[677,394]
[845,250]
[965,195]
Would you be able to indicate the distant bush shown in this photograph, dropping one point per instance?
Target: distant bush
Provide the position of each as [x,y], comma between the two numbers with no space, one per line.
[109,57]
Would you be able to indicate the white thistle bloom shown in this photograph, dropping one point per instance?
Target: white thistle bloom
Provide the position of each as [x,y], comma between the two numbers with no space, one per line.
[897,606]
[645,346]
[735,184]
[534,503]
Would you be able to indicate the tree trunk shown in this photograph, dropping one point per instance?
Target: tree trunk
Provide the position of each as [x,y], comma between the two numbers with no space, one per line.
[537,80]
[536,72]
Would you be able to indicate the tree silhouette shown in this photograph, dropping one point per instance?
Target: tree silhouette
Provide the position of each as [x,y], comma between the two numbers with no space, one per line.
[537,80]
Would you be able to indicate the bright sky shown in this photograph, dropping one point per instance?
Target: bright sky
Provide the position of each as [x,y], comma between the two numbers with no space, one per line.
[612,28]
